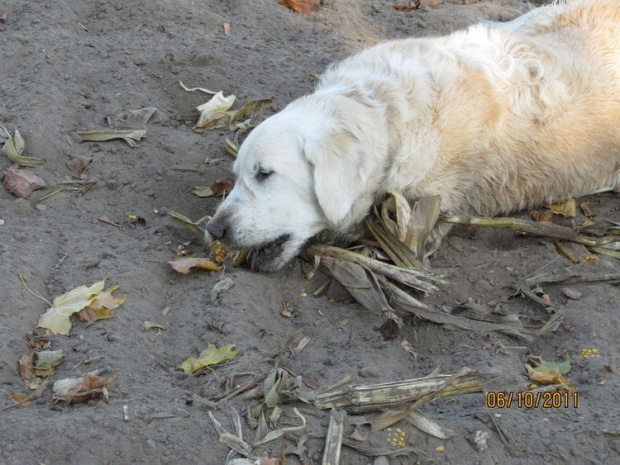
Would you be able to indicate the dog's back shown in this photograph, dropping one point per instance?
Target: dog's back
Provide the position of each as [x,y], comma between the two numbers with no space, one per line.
[499,118]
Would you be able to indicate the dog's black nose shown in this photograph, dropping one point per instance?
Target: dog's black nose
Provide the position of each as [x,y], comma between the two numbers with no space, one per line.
[217,228]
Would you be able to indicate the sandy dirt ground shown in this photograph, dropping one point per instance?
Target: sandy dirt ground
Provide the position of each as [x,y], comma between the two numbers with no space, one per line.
[69,65]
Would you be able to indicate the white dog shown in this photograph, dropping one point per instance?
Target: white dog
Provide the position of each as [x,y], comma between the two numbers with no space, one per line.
[495,118]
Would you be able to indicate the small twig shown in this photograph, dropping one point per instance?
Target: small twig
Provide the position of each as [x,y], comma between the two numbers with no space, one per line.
[86,362]
[500,433]
[106,221]
[62,259]
[23,281]
[539,269]
[53,192]
[343,382]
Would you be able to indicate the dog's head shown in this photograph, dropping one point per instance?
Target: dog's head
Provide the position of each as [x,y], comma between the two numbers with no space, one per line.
[300,172]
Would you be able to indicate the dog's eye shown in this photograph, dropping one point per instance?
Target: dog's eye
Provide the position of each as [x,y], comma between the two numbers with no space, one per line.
[263,174]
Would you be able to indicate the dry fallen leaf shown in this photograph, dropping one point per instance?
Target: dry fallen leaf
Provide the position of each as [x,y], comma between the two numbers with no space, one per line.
[183,265]
[79,164]
[131,136]
[46,361]
[301,346]
[566,209]
[407,8]
[26,367]
[542,217]
[101,307]
[231,148]
[76,390]
[57,319]
[216,114]
[166,310]
[212,355]
[19,398]
[300,6]
[218,187]
[544,372]
[585,209]
[144,115]
[551,376]
[214,110]
[430,3]
[14,147]
[22,182]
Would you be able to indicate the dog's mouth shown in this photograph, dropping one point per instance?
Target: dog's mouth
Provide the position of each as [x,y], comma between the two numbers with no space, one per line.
[267,257]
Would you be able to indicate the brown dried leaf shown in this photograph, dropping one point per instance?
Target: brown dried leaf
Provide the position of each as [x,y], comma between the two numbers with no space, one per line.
[406,9]
[19,398]
[26,367]
[183,265]
[300,6]
[76,390]
[79,164]
[585,208]
[218,187]
[106,299]
[90,315]
[542,217]
[101,307]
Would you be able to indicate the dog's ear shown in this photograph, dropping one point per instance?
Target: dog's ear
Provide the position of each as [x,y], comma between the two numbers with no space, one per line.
[343,169]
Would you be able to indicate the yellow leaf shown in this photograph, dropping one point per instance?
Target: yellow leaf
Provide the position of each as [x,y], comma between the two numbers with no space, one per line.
[57,319]
[105,299]
[183,265]
[215,109]
[89,315]
[566,209]
[101,308]
[211,356]
[550,376]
